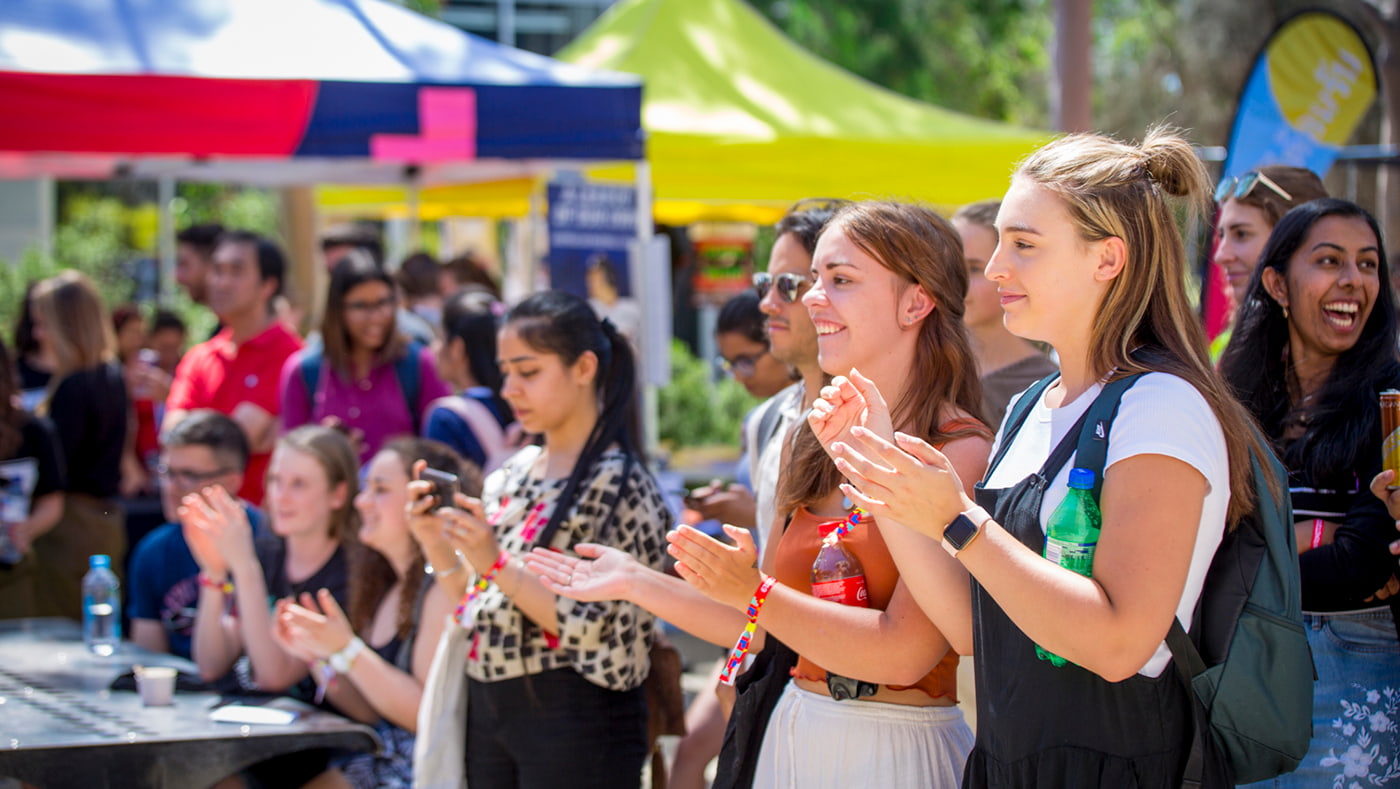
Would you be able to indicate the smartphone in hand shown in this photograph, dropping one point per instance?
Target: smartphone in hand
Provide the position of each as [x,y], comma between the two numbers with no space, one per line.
[444,485]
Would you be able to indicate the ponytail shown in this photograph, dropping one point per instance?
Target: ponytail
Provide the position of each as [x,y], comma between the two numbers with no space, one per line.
[563,324]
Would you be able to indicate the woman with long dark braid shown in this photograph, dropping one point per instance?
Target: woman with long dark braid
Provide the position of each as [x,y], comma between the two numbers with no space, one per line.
[554,686]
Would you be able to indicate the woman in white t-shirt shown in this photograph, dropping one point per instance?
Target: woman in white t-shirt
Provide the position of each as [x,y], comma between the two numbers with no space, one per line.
[1091,262]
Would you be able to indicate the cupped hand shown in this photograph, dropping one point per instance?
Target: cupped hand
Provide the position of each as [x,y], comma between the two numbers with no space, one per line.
[319,624]
[1380,487]
[598,572]
[727,574]
[206,553]
[223,520]
[732,503]
[908,481]
[290,640]
[847,403]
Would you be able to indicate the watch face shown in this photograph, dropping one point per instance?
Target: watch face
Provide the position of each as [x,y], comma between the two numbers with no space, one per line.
[960,532]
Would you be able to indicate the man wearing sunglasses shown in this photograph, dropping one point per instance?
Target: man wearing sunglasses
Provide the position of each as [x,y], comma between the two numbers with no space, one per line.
[206,448]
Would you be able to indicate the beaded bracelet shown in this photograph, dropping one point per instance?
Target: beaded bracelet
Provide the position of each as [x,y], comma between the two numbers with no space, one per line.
[741,647]
[482,581]
[225,586]
[857,517]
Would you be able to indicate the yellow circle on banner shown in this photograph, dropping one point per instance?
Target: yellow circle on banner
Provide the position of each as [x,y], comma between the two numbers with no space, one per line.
[1322,76]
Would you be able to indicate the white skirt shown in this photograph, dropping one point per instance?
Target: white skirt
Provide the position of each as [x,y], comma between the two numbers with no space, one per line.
[816,742]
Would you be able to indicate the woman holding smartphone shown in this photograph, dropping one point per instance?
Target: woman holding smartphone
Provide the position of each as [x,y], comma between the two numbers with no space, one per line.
[553,686]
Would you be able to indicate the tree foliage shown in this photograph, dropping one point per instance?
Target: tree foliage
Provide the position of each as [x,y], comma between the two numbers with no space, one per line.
[1181,62]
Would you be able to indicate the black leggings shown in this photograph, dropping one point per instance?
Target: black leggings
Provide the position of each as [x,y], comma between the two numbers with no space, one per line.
[552,730]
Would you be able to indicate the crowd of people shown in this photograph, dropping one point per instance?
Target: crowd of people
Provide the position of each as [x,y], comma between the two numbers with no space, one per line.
[432,514]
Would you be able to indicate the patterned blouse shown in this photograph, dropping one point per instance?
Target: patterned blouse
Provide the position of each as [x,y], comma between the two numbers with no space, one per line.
[605,642]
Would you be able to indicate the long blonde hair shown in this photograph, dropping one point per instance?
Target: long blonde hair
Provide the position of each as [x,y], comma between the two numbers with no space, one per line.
[1145,321]
[75,325]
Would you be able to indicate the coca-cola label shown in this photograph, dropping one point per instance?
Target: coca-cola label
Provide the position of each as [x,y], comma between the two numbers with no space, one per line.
[846,591]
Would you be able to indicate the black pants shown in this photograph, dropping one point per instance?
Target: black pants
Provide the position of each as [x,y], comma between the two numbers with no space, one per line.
[553,730]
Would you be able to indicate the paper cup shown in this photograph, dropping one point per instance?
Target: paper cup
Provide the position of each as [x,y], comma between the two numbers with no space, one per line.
[157,685]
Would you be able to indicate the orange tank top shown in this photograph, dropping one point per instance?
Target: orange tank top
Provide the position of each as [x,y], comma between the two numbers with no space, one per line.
[797,549]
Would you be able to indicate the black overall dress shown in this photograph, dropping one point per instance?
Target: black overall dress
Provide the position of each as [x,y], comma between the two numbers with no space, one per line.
[1047,727]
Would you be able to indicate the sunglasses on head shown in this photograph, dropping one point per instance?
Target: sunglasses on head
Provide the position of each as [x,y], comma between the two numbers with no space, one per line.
[1243,185]
[790,286]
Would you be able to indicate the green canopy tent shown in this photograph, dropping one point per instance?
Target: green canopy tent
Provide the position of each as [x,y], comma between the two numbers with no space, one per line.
[741,121]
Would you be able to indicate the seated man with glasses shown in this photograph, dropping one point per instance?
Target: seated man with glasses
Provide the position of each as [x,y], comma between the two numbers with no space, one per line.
[205,448]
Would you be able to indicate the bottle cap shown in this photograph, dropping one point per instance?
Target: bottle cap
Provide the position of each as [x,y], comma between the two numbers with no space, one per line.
[1081,479]
[100,560]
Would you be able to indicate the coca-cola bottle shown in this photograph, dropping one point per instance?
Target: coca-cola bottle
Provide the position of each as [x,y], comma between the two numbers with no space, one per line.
[837,574]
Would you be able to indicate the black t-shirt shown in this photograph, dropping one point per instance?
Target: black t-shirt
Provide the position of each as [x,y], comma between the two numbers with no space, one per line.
[32,383]
[333,575]
[89,409]
[34,469]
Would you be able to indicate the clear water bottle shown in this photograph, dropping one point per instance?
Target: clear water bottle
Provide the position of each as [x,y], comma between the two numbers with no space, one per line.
[102,607]
[1072,535]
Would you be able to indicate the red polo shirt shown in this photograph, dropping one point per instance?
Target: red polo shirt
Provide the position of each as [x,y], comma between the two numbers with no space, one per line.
[220,374]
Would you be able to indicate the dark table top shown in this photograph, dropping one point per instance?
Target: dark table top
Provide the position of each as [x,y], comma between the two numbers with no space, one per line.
[60,725]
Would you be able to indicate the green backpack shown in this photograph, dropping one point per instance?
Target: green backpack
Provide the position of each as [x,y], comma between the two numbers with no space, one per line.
[1247,660]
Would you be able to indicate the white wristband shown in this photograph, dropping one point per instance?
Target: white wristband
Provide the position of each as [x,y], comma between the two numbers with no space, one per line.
[345,658]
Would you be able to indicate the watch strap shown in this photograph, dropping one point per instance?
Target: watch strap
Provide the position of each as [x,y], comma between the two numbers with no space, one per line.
[964,529]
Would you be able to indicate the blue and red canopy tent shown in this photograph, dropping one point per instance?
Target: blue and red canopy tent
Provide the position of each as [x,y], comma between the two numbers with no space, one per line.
[290,92]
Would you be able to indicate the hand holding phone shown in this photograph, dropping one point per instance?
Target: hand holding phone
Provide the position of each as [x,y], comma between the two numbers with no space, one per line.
[444,485]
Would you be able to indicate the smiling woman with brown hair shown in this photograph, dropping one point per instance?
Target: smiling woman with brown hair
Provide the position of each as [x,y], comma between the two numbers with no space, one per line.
[1314,347]
[366,376]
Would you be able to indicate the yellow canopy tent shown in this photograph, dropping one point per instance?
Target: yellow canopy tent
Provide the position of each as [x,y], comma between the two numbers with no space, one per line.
[741,121]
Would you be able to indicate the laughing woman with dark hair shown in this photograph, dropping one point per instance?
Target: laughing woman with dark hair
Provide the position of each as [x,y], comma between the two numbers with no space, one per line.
[1313,349]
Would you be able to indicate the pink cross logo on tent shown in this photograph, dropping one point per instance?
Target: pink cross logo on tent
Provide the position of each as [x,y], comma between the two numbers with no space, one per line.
[447,130]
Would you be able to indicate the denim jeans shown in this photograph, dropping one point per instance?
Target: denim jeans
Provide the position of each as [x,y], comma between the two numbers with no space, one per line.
[1356,703]
[554,729]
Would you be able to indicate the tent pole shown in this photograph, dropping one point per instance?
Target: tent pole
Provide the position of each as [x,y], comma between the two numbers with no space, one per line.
[651,437]
[165,239]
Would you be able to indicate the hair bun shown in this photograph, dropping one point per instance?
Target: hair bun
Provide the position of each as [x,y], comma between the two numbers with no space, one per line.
[1172,163]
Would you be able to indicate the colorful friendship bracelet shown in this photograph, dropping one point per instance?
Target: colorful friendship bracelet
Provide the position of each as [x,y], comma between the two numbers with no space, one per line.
[225,586]
[484,580]
[857,517]
[741,647]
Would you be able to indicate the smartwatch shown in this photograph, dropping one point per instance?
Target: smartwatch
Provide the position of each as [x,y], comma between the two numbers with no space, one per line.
[965,528]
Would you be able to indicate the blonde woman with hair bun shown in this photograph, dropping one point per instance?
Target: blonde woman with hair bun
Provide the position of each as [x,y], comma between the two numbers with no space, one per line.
[1090,261]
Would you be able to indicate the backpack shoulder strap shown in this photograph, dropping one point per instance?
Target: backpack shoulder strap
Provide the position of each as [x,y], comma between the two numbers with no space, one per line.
[481,422]
[406,369]
[310,369]
[1091,448]
[768,422]
[1017,416]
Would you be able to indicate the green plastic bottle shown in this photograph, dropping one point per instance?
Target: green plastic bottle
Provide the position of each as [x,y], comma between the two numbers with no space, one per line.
[1073,534]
